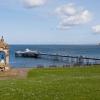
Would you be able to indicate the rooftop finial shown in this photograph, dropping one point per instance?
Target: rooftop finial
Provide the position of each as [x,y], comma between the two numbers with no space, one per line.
[2,39]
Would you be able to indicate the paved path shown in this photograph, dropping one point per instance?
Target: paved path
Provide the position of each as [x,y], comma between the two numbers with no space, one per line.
[14,73]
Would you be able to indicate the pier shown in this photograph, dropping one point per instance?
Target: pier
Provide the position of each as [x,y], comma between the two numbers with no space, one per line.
[67,59]
[71,60]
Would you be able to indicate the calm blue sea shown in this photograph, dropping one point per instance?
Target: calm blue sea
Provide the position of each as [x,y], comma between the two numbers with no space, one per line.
[74,50]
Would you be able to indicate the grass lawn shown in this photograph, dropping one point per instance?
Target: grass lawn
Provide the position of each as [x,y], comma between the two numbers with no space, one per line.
[54,84]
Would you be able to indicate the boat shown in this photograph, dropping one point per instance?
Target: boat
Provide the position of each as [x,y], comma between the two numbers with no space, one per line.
[27,53]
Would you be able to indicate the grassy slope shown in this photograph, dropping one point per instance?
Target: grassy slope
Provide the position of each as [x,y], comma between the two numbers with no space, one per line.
[54,84]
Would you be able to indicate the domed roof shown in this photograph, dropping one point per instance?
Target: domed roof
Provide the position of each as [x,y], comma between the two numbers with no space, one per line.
[3,44]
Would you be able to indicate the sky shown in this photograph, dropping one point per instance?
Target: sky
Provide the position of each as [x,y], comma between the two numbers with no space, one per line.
[50,21]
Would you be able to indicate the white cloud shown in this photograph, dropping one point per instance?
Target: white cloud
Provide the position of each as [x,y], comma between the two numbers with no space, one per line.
[70,16]
[68,9]
[96,29]
[33,3]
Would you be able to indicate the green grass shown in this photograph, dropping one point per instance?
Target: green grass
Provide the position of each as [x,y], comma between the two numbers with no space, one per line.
[54,84]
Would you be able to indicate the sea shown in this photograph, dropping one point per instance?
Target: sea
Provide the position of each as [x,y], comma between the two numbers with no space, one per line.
[72,50]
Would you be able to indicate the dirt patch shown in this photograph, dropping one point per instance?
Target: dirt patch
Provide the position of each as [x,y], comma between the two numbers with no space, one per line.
[14,73]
